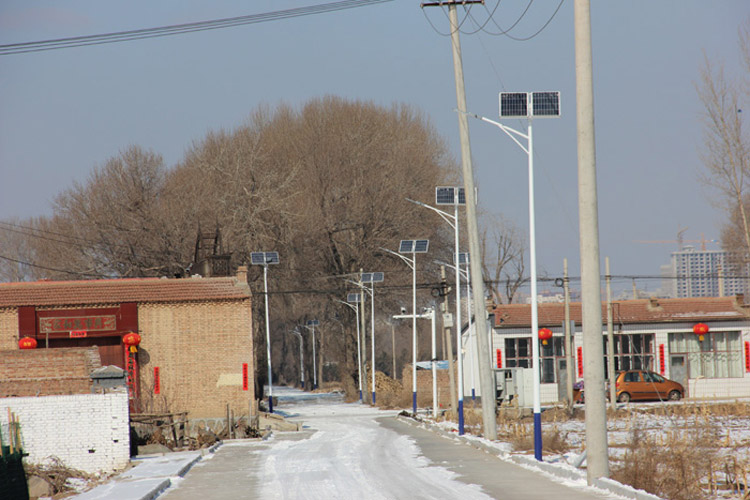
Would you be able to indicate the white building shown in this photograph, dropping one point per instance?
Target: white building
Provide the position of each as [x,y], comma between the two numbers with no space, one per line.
[703,273]
[651,334]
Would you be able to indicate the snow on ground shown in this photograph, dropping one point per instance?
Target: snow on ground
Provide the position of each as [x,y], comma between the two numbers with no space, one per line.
[336,461]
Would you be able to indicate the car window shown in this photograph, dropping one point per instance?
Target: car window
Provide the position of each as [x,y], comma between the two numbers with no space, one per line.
[652,377]
[632,377]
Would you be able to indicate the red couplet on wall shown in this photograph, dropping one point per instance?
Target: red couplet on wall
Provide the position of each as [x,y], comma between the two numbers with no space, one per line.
[662,369]
[157,381]
[499,359]
[244,376]
[580,361]
[747,357]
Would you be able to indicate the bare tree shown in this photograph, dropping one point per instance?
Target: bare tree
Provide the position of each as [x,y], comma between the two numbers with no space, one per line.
[503,266]
[17,255]
[726,146]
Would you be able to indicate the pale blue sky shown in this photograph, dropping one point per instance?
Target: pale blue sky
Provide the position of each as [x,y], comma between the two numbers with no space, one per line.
[64,111]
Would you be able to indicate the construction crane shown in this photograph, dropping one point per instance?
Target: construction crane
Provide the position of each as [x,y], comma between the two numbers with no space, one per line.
[681,241]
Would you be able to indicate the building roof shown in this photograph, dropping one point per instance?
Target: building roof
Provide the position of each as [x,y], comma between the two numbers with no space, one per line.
[630,311]
[70,293]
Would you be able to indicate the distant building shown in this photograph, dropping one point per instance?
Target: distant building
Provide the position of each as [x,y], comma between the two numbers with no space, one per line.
[703,273]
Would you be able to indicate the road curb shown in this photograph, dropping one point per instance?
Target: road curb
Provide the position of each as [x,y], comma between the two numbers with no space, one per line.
[560,471]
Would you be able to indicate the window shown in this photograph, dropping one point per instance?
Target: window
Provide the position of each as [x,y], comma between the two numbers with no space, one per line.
[717,356]
[632,351]
[518,354]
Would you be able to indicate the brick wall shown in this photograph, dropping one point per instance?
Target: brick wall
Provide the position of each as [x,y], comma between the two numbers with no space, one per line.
[89,432]
[199,349]
[424,387]
[43,372]
[8,329]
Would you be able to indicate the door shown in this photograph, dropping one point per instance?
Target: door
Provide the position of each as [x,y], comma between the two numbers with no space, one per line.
[678,370]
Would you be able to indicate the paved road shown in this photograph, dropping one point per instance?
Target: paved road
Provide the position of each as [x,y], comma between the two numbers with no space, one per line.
[353,451]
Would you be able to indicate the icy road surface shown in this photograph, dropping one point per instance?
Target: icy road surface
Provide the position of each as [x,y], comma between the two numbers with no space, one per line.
[349,455]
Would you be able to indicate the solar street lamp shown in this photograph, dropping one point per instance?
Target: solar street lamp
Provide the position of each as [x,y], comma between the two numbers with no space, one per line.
[356,298]
[311,324]
[301,357]
[530,105]
[456,196]
[413,247]
[371,278]
[265,259]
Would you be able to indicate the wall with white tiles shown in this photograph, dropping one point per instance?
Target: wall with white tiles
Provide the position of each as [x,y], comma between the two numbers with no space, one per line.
[88,432]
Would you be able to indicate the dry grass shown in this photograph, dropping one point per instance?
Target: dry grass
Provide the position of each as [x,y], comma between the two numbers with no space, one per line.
[56,473]
[676,467]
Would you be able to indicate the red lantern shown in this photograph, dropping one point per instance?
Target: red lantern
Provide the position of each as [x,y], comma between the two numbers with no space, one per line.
[700,330]
[132,340]
[27,343]
[544,335]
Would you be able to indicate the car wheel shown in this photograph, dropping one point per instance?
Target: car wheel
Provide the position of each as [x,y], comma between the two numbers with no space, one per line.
[675,396]
[624,397]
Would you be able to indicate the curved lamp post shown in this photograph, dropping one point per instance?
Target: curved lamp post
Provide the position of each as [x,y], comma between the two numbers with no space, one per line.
[265,259]
[530,105]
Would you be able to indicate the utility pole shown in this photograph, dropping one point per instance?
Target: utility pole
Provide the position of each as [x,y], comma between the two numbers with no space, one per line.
[448,343]
[362,319]
[393,348]
[610,341]
[568,337]
[588,221]
[486,379]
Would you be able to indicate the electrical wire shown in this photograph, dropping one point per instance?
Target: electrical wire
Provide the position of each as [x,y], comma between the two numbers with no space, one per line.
[178,29]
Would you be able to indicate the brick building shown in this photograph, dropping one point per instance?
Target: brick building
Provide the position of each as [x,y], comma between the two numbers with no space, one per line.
[196,350]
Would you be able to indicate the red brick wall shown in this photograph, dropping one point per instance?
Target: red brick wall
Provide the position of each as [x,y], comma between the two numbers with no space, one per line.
[46,372]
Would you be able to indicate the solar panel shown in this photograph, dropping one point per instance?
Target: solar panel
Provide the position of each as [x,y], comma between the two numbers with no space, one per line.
[513,105]
[313,322]
[447,195]
[406,246]
[258,258]
[272,257]
[463,258]
[372,277]
[421,246]
[545,104]
[353,297]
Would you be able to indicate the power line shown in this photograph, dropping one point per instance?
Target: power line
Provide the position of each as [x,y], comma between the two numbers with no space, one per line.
[178,29]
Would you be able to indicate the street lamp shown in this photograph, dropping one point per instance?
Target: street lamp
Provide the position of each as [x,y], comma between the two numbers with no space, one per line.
[455,196]
[301,358]
[413,247]
[371,278]
[311,324]
[265,259]
[429,313]
[356,298]
[530,105]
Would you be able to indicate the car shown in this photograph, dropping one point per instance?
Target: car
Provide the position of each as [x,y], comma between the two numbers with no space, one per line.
[639,385]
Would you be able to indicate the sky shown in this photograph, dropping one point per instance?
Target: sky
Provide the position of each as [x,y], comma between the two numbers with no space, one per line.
[63,112]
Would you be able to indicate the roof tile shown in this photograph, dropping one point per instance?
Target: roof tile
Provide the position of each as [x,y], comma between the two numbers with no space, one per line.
[58,293]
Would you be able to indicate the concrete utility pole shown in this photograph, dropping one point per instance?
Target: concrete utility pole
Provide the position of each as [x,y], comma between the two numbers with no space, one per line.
[588,221]
[568,337]
[363,321]
[448,343]
[486,381]
[610,341]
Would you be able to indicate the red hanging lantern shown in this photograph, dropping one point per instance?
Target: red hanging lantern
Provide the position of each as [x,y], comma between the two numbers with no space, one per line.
[700,330]
[544,335]
[132,340]
[27,343]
